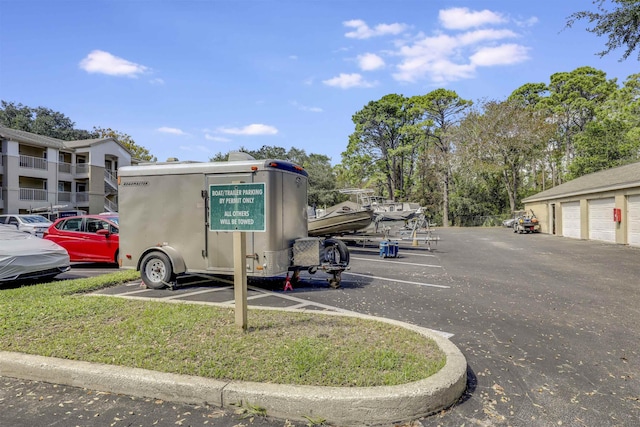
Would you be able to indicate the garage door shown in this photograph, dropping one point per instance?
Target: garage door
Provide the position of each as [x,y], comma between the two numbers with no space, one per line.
[601,224]
[633,217]
[571,219]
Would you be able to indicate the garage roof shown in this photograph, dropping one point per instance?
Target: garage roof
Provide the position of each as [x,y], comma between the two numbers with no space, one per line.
[622,177]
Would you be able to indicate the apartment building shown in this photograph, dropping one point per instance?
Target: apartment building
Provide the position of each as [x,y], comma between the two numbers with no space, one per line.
[39,173]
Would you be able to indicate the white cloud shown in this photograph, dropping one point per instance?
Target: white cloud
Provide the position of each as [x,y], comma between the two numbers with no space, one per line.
[216,138]
[101,62]
[480,36]
[439,70]
[363,31]
[306,108]
[346,81]
[461,18]
[463,40]
[370,61]
[505,54]
[173,131]
[445,58]
[252,129]
[157,81]
[529,22]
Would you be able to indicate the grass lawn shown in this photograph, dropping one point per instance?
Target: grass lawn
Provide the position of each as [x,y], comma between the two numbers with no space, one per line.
[59,320]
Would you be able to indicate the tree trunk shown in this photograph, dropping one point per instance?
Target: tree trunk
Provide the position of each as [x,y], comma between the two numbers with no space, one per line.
[445,199]
[511,192]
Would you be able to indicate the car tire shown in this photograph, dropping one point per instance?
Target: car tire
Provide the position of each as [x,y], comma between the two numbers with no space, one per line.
[156,270]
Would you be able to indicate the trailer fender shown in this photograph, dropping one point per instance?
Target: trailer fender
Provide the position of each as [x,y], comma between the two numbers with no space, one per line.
[177,262]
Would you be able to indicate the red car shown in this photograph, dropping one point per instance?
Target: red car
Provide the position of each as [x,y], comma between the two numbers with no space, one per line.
[87,238]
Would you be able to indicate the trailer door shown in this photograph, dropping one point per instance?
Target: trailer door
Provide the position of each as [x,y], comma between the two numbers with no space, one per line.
[219,244]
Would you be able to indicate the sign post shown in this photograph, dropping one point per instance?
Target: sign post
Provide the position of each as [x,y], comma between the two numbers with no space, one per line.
[239,208]
[240,278]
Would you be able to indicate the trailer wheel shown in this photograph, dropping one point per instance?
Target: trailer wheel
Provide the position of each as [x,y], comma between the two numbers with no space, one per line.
[156,270]
[336,252]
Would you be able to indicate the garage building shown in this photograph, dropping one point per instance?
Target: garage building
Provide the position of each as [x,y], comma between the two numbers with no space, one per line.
[602,206]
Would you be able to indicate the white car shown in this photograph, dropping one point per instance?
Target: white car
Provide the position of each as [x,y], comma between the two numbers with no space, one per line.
[32,224]
[26,257]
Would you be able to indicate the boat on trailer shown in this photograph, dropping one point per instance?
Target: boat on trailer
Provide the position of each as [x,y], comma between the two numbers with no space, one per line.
[383,209]
[343,218]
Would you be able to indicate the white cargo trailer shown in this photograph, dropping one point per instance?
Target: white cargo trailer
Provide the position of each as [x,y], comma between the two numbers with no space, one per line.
[179,218]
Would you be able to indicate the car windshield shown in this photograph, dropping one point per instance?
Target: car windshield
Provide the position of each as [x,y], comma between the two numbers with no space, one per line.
[34,219]
[113,219]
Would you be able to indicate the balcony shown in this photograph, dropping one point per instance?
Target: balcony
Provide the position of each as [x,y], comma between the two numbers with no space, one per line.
[82,197]
[82,168]
[64,167]
[65,196]
[33,194]
[30,162]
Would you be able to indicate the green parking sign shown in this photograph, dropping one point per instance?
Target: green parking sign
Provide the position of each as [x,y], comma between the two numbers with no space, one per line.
[237,207]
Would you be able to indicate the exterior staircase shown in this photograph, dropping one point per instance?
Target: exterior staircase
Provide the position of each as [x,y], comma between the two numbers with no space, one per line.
[110,191]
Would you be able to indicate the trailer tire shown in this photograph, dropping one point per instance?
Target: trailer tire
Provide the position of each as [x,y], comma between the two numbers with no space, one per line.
[156,270]
[335,247]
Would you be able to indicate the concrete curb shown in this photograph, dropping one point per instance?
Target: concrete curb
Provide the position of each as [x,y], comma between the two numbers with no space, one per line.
[344,406]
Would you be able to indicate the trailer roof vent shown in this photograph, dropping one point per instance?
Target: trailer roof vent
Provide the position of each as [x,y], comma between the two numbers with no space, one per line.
[237,156]
[172,159]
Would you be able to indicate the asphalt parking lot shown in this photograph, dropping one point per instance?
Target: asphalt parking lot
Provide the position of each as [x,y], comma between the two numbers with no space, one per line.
[548,326]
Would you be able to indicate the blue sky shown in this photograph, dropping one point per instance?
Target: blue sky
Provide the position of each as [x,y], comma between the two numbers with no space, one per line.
[189,79]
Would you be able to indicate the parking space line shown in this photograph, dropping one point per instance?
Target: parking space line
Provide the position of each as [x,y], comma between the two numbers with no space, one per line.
[139,291]
[301,305]
[204,291]
[262,294]
[400,262]
[399,281]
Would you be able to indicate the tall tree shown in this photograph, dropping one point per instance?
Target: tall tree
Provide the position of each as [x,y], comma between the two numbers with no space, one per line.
[46,122]
[613,139]
[138,151]
[504,139]
[530,96]
[16,116]
[41,121]
[322,181]
[382,148]
[621,25]
[573,100]
[440,110]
